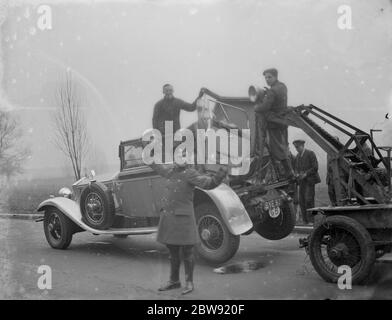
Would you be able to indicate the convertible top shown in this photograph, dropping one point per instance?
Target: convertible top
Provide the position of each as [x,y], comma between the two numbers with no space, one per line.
[228,100]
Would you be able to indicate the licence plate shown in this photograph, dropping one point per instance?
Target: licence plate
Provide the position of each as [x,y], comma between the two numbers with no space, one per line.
[274,212]
[273,208]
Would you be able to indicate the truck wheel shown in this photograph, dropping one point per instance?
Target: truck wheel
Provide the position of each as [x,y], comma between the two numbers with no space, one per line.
[341,241]
[217,243]
[97,206]
[279,227]
[58,229]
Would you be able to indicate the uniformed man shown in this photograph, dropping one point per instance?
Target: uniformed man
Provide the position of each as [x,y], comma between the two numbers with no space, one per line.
[270,108]
[306,168]
[177,225]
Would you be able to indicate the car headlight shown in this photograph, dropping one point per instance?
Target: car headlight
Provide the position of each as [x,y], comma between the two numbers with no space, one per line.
[65,192]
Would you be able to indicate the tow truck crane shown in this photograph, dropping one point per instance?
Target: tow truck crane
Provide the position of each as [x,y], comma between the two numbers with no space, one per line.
[358,230]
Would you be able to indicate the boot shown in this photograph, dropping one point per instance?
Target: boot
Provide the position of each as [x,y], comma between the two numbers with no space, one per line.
[170,285]
[188,288]
[174,281]
[189,265]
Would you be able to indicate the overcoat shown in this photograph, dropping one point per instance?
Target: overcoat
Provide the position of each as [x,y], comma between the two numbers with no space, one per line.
[169,110]
[177,223]
[307,163]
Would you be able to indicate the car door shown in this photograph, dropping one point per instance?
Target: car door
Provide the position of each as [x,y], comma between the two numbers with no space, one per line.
[159,191]
[134,184]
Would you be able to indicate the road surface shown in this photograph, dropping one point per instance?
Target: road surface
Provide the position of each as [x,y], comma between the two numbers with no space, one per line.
[104,267]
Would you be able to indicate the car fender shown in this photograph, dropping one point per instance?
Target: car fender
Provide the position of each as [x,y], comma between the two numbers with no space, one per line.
[67,206]
[71,209]
[230,207]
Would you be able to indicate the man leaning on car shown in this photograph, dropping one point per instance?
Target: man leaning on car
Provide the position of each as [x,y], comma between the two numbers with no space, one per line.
[168,109]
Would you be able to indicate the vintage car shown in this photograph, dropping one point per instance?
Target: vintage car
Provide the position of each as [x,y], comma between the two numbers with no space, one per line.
[129,202]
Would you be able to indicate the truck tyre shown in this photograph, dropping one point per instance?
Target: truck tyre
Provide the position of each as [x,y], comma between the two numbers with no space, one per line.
[279,227]
[97,206]
[217,244]
[341,241]
[58,228]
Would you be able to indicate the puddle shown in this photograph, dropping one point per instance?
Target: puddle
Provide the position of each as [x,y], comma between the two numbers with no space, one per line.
[240,267]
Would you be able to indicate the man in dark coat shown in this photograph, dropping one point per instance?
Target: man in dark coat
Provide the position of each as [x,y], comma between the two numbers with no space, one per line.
[306,167]
[177,225]
[168,109]
[268,109]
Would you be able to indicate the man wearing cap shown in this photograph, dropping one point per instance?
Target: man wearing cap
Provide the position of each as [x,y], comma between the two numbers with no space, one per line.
[269,110]
[177,224]
[306,167]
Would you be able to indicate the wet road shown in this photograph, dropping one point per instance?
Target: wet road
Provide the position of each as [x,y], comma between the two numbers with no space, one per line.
[104,267]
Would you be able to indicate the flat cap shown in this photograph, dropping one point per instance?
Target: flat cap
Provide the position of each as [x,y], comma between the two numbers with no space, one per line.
[272,71]
[298,141]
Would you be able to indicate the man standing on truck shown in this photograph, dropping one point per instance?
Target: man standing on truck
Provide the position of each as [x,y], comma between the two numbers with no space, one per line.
[270,109]
[306,167]
[168,109]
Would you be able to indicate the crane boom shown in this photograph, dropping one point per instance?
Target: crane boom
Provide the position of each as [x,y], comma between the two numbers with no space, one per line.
[354,171]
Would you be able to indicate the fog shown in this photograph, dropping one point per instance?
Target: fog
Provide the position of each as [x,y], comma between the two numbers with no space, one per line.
[121,53]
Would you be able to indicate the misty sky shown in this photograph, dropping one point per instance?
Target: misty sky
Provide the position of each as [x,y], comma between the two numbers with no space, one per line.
[121,53]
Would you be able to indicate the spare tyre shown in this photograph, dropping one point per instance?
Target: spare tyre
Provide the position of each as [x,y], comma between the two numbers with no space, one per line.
[97,206]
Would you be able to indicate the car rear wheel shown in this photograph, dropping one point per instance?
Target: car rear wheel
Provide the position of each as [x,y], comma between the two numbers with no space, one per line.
[58,229]
[217,244]
[97,206]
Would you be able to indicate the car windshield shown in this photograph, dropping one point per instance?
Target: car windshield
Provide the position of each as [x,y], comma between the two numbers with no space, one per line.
[133,156]
[230,114]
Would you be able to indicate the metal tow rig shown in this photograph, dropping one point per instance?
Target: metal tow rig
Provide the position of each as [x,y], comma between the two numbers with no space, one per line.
[304,243]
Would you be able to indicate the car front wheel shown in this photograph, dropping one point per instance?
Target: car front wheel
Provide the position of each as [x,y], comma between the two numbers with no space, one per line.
[217,244]
[57,228]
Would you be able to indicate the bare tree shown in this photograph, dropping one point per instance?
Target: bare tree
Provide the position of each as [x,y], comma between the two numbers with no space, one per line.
[12,164]
[9,132]
[70,125]
[12,153]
